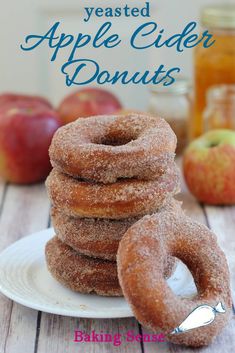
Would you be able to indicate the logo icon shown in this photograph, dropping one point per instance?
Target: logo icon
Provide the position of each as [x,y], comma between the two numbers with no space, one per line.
[201,316]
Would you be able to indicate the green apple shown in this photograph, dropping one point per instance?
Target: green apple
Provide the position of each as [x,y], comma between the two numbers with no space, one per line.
[209,167]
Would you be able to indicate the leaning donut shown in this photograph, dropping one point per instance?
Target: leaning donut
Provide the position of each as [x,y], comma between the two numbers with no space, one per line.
[141,256]
[106,148]
[81,273]
[123,199]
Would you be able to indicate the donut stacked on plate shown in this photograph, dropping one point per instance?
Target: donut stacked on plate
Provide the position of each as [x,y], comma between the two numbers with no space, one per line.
[108,173]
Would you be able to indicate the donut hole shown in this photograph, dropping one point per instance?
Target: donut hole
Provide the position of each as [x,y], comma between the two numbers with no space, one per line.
[115,142]
[185,286]
[117,139]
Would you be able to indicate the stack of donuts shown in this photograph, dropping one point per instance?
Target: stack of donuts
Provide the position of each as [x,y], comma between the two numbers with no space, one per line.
[112,189]
[108,172]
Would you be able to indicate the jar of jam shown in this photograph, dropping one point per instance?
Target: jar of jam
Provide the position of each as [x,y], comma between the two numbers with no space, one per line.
[216,64]
[173,103]
[220,108]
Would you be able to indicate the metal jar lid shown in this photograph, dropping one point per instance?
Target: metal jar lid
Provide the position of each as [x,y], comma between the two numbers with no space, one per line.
[181,86]
[219,16]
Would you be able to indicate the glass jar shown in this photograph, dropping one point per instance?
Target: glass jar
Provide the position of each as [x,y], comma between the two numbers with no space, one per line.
[220,108]
[214,65]
[173,103]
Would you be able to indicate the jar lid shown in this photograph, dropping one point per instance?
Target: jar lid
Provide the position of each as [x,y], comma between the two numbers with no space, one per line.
[181,86]
[219,16]
[221,93]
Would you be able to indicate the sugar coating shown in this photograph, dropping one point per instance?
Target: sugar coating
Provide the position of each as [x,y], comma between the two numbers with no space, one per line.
[170,232]
[91,236]
[123,199]
[81,273]
[93,217]
[107,148]
[97,237]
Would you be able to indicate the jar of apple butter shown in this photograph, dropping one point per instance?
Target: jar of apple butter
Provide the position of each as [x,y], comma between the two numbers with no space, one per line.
[173,103]
[214,65]
[220,108]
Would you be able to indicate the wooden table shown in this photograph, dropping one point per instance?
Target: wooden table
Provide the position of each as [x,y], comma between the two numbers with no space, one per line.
[24,210]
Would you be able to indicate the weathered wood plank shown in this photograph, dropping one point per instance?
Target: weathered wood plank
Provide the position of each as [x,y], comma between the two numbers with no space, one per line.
[57,335]
[4,309]
[2,191]
[225,343]
[25,210]
[222,222]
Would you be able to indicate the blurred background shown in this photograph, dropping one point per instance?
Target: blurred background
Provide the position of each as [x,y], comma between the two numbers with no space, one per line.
[203,98]
[31,72]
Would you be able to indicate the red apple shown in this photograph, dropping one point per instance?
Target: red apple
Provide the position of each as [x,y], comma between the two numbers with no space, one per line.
[209,167]
[25,136]
[7,98]
[88,102]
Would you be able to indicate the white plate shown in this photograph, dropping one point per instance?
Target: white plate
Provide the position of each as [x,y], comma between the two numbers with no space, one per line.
[24,278]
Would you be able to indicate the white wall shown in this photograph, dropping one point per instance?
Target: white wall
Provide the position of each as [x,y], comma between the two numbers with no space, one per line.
[31,71]
[174,15]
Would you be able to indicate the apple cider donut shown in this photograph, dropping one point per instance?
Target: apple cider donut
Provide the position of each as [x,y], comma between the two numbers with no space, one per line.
[93,237]
[171,233]
[106,148]
[123,199]
[81,273]
[96,237]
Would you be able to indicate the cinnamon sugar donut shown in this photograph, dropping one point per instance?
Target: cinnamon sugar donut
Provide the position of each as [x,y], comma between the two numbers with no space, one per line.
[81,273]
[106,148]
[141,277]
[123,199]
[96,237]
[91,236]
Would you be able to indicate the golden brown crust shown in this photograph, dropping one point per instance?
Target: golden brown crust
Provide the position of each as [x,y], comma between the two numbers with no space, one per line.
[91,236]
[106,148]
[81,273]
[97,238]
[123,199]
[170,232]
